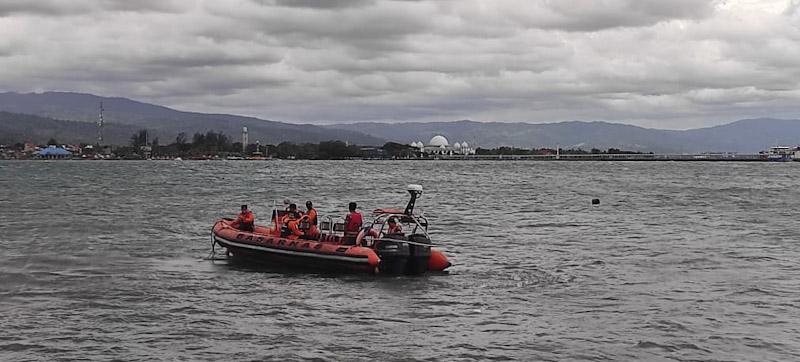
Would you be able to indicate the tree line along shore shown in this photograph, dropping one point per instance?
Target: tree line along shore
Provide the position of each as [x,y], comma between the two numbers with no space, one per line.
[217,145]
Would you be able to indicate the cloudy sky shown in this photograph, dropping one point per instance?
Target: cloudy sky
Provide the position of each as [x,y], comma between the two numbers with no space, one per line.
[656,63]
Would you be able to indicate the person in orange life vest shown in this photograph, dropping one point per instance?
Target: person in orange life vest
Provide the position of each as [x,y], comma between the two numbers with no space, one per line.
[292,220]
[311,216]
[245,220]
[394,226]
[352,223]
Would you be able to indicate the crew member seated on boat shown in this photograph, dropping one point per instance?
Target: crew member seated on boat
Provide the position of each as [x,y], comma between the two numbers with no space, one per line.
[394,226]
[245,220]
[291,221]
[277,215]
[311,217]
[352,224]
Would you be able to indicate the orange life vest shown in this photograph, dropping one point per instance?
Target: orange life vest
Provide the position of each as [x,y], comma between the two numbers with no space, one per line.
[245,220]
[293,226]
[247,217]
[353,222]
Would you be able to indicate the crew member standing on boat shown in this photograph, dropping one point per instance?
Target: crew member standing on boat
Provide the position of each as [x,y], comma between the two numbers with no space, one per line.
[245,221]
[311,216]
[352,224]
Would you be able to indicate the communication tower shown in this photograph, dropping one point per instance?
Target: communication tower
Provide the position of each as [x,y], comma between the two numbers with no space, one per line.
[244,140]
[100,126]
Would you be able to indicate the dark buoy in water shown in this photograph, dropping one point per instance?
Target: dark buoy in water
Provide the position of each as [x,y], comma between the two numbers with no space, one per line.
[595,201]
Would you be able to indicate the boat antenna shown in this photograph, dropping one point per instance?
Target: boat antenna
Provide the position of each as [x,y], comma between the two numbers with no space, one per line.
[416,192]
[275,213]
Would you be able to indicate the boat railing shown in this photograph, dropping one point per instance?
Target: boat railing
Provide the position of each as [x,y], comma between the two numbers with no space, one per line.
[331,226]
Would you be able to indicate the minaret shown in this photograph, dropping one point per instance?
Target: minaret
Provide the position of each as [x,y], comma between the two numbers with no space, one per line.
[244,140]
[100,126]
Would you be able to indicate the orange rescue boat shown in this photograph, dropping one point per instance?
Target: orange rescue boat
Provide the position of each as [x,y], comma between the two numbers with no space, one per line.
[374,250]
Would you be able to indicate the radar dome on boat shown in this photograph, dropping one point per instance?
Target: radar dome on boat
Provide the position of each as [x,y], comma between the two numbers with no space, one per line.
[438,140]
[464,144]
[457,146]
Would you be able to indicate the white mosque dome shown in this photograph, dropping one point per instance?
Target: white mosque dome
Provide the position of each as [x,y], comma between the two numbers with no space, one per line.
[438,141]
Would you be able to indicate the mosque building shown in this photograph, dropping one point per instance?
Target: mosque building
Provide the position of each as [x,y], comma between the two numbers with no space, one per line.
[439,145]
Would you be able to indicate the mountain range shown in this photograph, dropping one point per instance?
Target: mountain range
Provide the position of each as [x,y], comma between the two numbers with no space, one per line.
[70,117]
[16,127]
[120,114]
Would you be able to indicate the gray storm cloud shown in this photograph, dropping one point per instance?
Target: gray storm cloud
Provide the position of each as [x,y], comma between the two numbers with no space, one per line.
[675,64]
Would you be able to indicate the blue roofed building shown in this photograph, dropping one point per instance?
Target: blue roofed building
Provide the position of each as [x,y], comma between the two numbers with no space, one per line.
[53,152]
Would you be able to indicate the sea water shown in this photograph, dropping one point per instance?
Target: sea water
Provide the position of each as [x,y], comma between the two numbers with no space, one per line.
[105,260]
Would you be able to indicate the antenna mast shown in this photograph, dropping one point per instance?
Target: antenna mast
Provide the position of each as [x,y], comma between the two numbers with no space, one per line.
[244,140]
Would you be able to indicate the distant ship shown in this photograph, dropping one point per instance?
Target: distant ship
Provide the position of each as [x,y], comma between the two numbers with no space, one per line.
[780,154]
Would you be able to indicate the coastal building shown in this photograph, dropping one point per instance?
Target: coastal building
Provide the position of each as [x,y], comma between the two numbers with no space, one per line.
[439,145]
[371,152]
[75,149]
[53,152]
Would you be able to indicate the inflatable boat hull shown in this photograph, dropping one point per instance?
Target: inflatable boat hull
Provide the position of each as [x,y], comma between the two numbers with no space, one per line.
[262,247]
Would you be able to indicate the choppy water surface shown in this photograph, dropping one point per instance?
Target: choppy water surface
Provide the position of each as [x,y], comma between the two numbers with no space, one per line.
[686,261]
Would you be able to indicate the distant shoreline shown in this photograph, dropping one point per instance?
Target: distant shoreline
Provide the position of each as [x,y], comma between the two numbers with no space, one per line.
[530,158]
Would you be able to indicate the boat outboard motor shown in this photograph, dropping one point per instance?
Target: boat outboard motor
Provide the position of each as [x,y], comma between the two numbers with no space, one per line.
[394,255]
[419,254]
[416,192]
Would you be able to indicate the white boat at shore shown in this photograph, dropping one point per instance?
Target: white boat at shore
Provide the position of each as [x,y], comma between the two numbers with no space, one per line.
[782,154]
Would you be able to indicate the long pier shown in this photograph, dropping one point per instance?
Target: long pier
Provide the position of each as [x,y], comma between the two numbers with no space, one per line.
[614,157]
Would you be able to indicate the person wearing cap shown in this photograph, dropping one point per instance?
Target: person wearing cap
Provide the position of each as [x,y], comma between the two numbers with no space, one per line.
[394,226]
[245,221]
